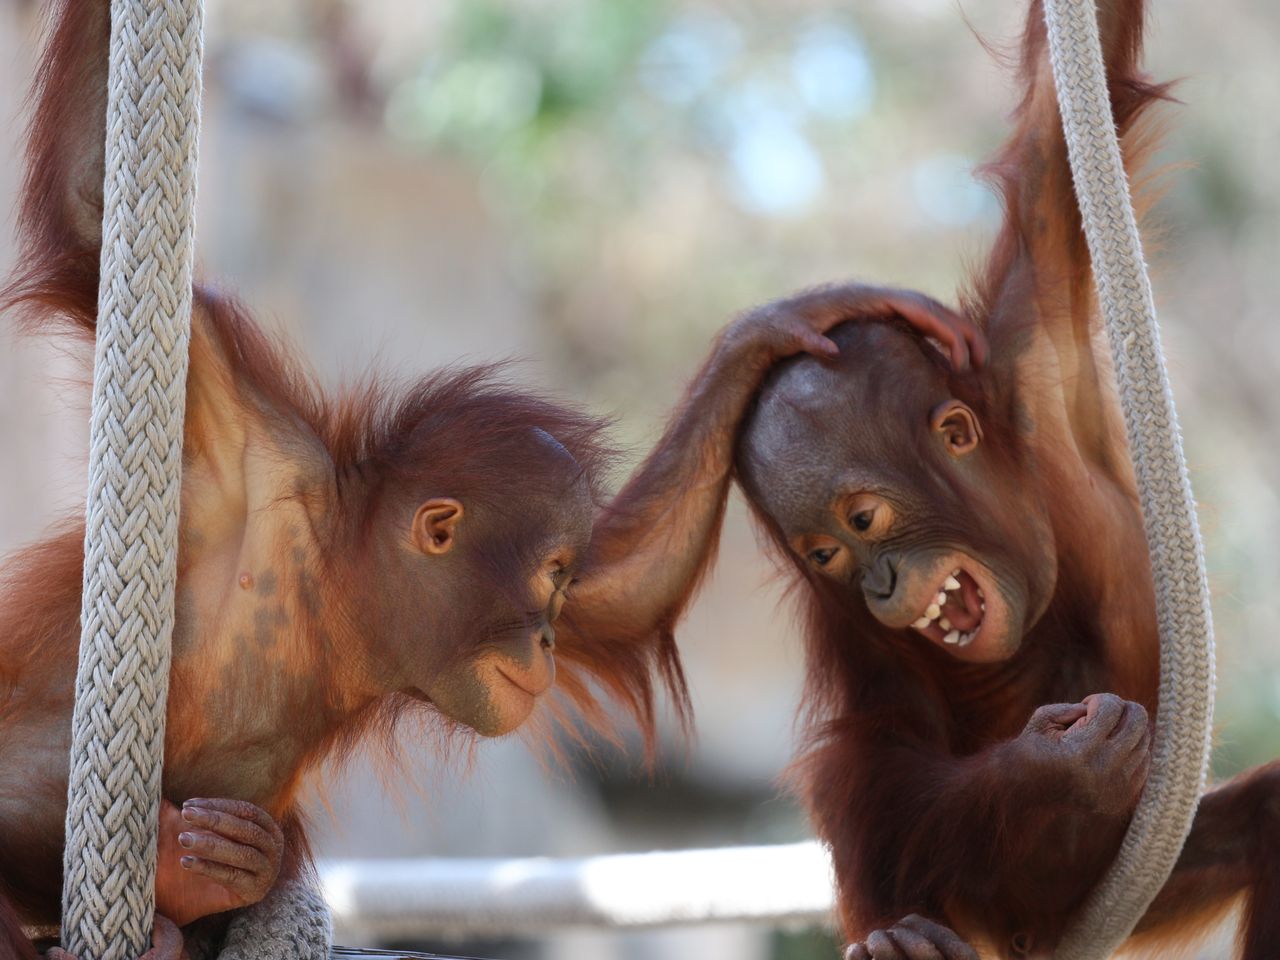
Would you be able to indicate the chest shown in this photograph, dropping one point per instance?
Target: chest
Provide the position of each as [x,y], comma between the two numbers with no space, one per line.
[249,680]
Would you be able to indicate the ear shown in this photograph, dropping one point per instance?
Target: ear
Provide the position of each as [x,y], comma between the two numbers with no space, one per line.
[435,525]
[958,426]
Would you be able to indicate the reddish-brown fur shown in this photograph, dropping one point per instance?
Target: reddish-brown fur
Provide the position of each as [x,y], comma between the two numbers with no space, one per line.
[907,774]
[461,431]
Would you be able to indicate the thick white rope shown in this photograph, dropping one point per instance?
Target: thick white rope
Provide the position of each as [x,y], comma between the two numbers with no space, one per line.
[135,462]
[1180,754]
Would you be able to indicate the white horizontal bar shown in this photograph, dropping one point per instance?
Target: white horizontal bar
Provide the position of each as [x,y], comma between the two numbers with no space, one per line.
[780,885]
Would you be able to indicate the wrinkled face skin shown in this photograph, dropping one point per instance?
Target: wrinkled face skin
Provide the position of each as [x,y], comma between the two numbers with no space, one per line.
[880,481]
[492,578]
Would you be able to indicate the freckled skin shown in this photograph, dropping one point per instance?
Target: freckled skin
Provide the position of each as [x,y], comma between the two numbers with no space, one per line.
[427,631]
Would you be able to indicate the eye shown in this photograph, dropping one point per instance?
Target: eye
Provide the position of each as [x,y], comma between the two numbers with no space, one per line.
[868,515]
[822,556]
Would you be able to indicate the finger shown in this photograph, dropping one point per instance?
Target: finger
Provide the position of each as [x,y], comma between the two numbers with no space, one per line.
[241,829]
[210,846]
[1102,710]
[936,321]
[232,878]
[819,345]
[1138,759]
[1131,727]
[57,953]
[913,945]
[975,338]
[882,947]
[1133,770]
[965,340]
[953,948]
[857,951]
[241,809]
[166,940]
[1056,715]
[980,350]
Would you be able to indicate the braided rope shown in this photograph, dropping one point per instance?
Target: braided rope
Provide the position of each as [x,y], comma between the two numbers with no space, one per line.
[135,460]
[1180,753]
[291,923]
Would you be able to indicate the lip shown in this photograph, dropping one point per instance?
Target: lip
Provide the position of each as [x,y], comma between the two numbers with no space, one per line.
[524,685]
[979,619]
[956,613]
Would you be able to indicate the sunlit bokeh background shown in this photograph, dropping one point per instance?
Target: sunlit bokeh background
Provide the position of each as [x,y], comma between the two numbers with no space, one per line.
[595,187]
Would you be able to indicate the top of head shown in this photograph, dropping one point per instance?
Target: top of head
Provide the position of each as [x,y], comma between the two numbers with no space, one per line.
[852,409]
[467,435]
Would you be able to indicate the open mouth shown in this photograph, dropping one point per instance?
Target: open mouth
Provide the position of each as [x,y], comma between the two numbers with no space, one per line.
[955,611]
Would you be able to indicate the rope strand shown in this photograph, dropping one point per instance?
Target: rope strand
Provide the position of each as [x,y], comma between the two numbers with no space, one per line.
[135,463]
[1180,751]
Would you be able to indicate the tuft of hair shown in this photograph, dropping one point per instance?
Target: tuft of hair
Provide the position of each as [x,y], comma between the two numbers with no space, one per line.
[1029,149]
[60,212]
[465,429]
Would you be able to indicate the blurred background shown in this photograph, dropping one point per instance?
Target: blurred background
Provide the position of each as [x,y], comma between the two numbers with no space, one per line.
[595,187]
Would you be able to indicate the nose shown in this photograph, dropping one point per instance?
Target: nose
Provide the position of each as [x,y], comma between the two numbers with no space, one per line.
[880,580]
[547,638]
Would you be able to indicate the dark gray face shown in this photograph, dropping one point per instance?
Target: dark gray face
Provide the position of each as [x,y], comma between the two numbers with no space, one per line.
[877,478]
[822,428]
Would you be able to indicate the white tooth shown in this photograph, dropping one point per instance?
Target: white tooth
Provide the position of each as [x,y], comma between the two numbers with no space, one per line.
[968,638]
[983,606]
[952,637]
[981,595]
[932,612]
[922,623]
[940,599]
[944,623]
[951,583]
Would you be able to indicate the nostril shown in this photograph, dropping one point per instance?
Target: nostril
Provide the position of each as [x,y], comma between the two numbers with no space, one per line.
[881,581]
[548,639]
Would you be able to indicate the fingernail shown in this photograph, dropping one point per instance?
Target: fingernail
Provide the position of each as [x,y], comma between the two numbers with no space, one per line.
[192,813]
[187,839]
[188,861]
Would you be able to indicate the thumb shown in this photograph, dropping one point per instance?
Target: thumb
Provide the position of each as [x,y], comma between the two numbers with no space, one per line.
[1056,716]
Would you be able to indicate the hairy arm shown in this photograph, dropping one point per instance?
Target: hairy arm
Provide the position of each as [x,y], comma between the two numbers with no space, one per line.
[1005,841]
[1037,285]
[241,385]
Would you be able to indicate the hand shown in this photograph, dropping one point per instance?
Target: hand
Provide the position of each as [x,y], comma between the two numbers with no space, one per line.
[911,938]
[166,944]
[1102,745]
[799,324]
[214,855]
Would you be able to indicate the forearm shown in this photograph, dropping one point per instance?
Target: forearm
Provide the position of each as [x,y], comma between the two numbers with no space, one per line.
[651,543]
[994,838]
